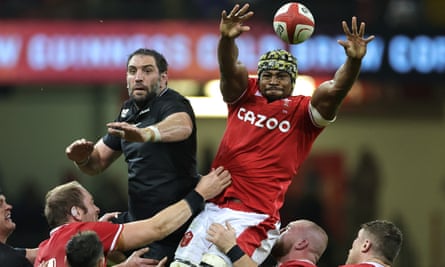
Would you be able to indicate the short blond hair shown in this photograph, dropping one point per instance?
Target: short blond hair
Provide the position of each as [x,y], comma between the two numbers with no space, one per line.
[60,200]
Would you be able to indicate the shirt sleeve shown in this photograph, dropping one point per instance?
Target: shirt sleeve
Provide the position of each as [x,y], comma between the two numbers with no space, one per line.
[21,251]
[113,142]
[108,233]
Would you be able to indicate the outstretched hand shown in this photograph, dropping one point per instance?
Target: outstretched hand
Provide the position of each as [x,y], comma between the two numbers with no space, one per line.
[231,24]
[79,150]
[127,131]
[355,43]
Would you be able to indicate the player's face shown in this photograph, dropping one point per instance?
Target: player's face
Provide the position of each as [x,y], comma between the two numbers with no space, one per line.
[284,242]
[143,78]
[354,252]
[275,84]
[7,226]
[92,213]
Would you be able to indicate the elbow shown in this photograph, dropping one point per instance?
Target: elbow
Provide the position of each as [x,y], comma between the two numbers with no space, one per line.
[188,130]
[181,134]
[185,127]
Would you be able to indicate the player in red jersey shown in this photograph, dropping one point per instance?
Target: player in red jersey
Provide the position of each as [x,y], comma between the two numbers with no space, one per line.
[70,208]
[301,244]
[269,134]
[377,245]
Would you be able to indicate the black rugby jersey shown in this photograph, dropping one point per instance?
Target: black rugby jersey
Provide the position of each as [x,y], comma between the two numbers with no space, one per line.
[12,257]
[159,174]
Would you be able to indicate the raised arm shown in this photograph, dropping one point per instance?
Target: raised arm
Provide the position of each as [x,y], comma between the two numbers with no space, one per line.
[91,158]
[328,97]
[234,75]
[140,233]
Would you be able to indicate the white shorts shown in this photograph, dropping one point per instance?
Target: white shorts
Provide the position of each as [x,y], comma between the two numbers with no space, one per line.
[194,243]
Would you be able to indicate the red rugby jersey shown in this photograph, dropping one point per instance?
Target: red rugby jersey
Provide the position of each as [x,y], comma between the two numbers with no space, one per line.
[53,248]
[263,147]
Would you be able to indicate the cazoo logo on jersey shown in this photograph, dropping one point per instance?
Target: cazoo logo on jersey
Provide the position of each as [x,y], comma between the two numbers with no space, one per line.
[262,121]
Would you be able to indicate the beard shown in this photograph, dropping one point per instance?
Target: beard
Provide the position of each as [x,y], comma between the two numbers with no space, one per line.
[141,101]
[280,249]
[151,92]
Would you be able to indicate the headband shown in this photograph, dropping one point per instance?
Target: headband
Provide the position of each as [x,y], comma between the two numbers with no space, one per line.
[278,60]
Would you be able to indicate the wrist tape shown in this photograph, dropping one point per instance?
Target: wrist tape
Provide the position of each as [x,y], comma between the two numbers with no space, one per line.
[235,253]
[156,137]
[195,201]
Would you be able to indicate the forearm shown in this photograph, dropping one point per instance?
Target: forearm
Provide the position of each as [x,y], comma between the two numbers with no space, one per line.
[245,261]
[91,165]
[99,159]
[346,75]
[330,94]
[227,55]
[234,75]
[139,233]
[174,128]
[239,258]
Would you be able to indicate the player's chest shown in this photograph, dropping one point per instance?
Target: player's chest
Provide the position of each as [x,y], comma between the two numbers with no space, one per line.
[259,109]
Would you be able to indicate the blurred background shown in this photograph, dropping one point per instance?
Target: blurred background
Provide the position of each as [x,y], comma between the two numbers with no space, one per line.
[62,77]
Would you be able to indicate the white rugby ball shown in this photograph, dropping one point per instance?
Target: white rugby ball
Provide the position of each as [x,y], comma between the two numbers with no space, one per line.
[294,23]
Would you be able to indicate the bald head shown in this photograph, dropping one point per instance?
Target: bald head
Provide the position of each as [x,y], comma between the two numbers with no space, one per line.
[301,239]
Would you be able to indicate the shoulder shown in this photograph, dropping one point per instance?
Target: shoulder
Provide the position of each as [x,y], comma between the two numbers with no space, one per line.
[298,102]
[251,90]
[301,98]
[253,83]
[83,226]
[170,101]
[171,96]
[170,93]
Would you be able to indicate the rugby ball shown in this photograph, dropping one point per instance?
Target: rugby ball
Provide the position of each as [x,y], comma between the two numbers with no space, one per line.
[293,23]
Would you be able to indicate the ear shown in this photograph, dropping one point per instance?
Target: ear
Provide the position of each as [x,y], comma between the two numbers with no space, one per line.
[301,244]
[74,212]
[366,246]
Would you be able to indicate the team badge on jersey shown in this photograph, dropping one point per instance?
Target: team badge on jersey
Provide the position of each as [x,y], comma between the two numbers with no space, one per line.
[124,112]
[186,239]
